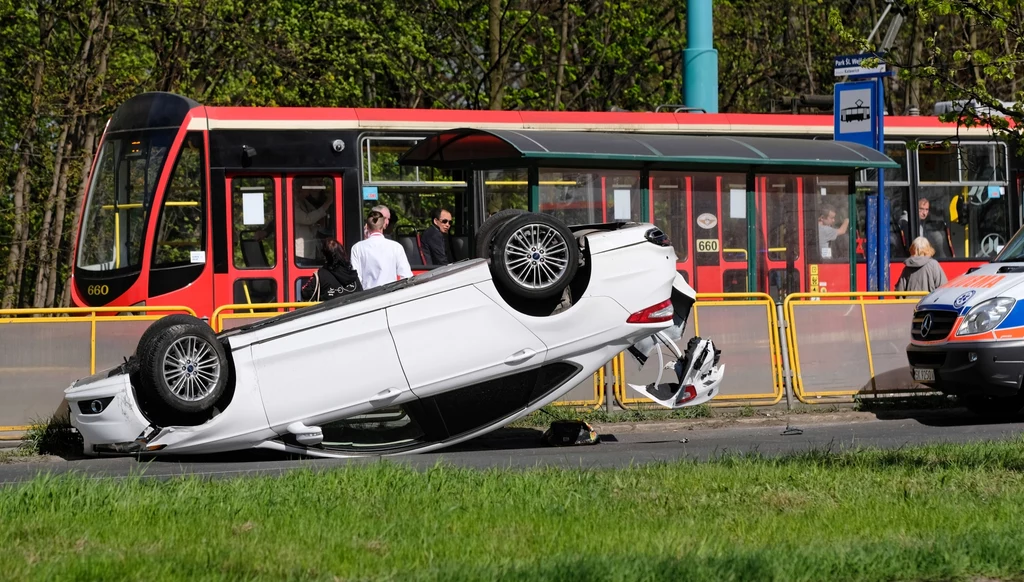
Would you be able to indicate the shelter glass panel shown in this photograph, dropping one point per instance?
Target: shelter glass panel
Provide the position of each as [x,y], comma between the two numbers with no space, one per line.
[583,196]
[671,194]
[505,189]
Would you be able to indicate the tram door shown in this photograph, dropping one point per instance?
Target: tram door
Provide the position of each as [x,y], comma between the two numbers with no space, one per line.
[720,232]
[278,225]
[257,263]
[314,213]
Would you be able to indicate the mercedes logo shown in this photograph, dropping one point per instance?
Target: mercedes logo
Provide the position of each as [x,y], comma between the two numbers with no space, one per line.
[926,325]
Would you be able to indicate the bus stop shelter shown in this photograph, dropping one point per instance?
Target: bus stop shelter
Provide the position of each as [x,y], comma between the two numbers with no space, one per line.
[721,199]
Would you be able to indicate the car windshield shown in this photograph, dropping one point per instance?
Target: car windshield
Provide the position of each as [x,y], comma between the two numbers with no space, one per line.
[1013,252]
[120,195]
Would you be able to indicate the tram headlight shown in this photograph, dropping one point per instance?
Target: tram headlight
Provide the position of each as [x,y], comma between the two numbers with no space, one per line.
[338,145]
[986,316]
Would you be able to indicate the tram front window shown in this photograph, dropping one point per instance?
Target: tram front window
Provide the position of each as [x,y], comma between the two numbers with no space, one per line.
[120,196]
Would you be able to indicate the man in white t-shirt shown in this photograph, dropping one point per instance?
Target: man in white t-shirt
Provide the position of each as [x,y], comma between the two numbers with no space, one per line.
[379,260]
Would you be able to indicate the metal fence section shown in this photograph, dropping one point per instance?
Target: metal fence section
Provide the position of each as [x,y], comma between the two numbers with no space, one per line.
[836,345]
[842,344]
[745,327]
[43,350]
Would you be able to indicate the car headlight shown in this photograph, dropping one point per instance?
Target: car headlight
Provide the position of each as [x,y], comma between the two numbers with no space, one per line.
[985,316]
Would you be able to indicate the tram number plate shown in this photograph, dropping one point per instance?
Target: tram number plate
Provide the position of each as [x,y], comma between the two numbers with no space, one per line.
[707,245]
[924,374]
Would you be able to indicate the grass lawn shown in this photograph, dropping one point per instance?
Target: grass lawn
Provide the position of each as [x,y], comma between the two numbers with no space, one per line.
[932,513]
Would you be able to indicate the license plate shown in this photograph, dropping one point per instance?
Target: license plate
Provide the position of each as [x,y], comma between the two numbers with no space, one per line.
[924,374]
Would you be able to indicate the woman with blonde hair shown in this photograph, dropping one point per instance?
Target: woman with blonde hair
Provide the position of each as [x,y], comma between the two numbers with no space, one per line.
[920,271]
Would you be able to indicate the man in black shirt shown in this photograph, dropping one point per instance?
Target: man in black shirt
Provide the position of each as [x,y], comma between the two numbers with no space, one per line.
[437,245]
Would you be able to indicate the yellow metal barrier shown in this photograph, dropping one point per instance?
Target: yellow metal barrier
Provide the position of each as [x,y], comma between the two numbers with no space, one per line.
[50,347]
[731,391]
[218,317]
[861,301]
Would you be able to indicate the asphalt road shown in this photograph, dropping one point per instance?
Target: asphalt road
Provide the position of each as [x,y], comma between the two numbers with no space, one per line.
[621,445]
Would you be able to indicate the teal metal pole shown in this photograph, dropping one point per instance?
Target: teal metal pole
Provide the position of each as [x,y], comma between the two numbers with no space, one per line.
[700,59]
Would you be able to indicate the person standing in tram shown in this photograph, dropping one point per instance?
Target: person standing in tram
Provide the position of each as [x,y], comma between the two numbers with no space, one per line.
[379,260]
[827,232]
[920,271]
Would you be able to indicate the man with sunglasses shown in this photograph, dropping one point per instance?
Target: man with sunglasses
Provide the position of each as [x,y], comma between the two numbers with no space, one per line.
[437,245]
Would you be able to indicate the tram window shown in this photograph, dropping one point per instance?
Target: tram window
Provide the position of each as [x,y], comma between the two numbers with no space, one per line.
[181,230]
[505,189]
[410,208]
[966,221]
[578,196]
[938,163]
[898,152]
[734,281]
[669,195]
[314,217]
[898,199]
[254,218]
[247,291]
[380,161]
[984,162]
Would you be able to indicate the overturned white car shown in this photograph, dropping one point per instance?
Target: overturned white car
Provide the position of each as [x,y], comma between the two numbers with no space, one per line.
[415,365]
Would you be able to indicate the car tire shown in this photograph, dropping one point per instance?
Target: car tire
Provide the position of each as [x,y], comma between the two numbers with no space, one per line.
[160,325]
[534,256]
[485,236]
[182,366]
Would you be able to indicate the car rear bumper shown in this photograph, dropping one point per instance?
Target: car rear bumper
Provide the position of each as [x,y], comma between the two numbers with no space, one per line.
[992,369]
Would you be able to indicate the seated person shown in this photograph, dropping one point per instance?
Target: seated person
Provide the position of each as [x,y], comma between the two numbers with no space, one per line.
[436,240]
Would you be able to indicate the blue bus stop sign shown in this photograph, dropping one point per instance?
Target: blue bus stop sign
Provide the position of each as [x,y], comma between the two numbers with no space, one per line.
[859,117]
[855,113]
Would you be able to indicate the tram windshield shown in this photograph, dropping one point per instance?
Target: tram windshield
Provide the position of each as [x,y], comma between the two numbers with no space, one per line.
[120,196]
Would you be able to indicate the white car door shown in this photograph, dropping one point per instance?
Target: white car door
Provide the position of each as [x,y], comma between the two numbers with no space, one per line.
[459,337]
[340,368]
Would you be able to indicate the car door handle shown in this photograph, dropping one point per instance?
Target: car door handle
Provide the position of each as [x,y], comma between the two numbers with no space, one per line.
[520,356]
[385,394]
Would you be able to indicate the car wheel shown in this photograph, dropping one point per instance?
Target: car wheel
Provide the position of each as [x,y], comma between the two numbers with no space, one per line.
[535,256]
[183,366]
[485,236]
[994,407]
[160,325]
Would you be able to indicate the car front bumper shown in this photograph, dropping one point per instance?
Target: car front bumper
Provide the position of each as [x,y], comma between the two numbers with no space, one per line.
[104,411]
[990,369]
